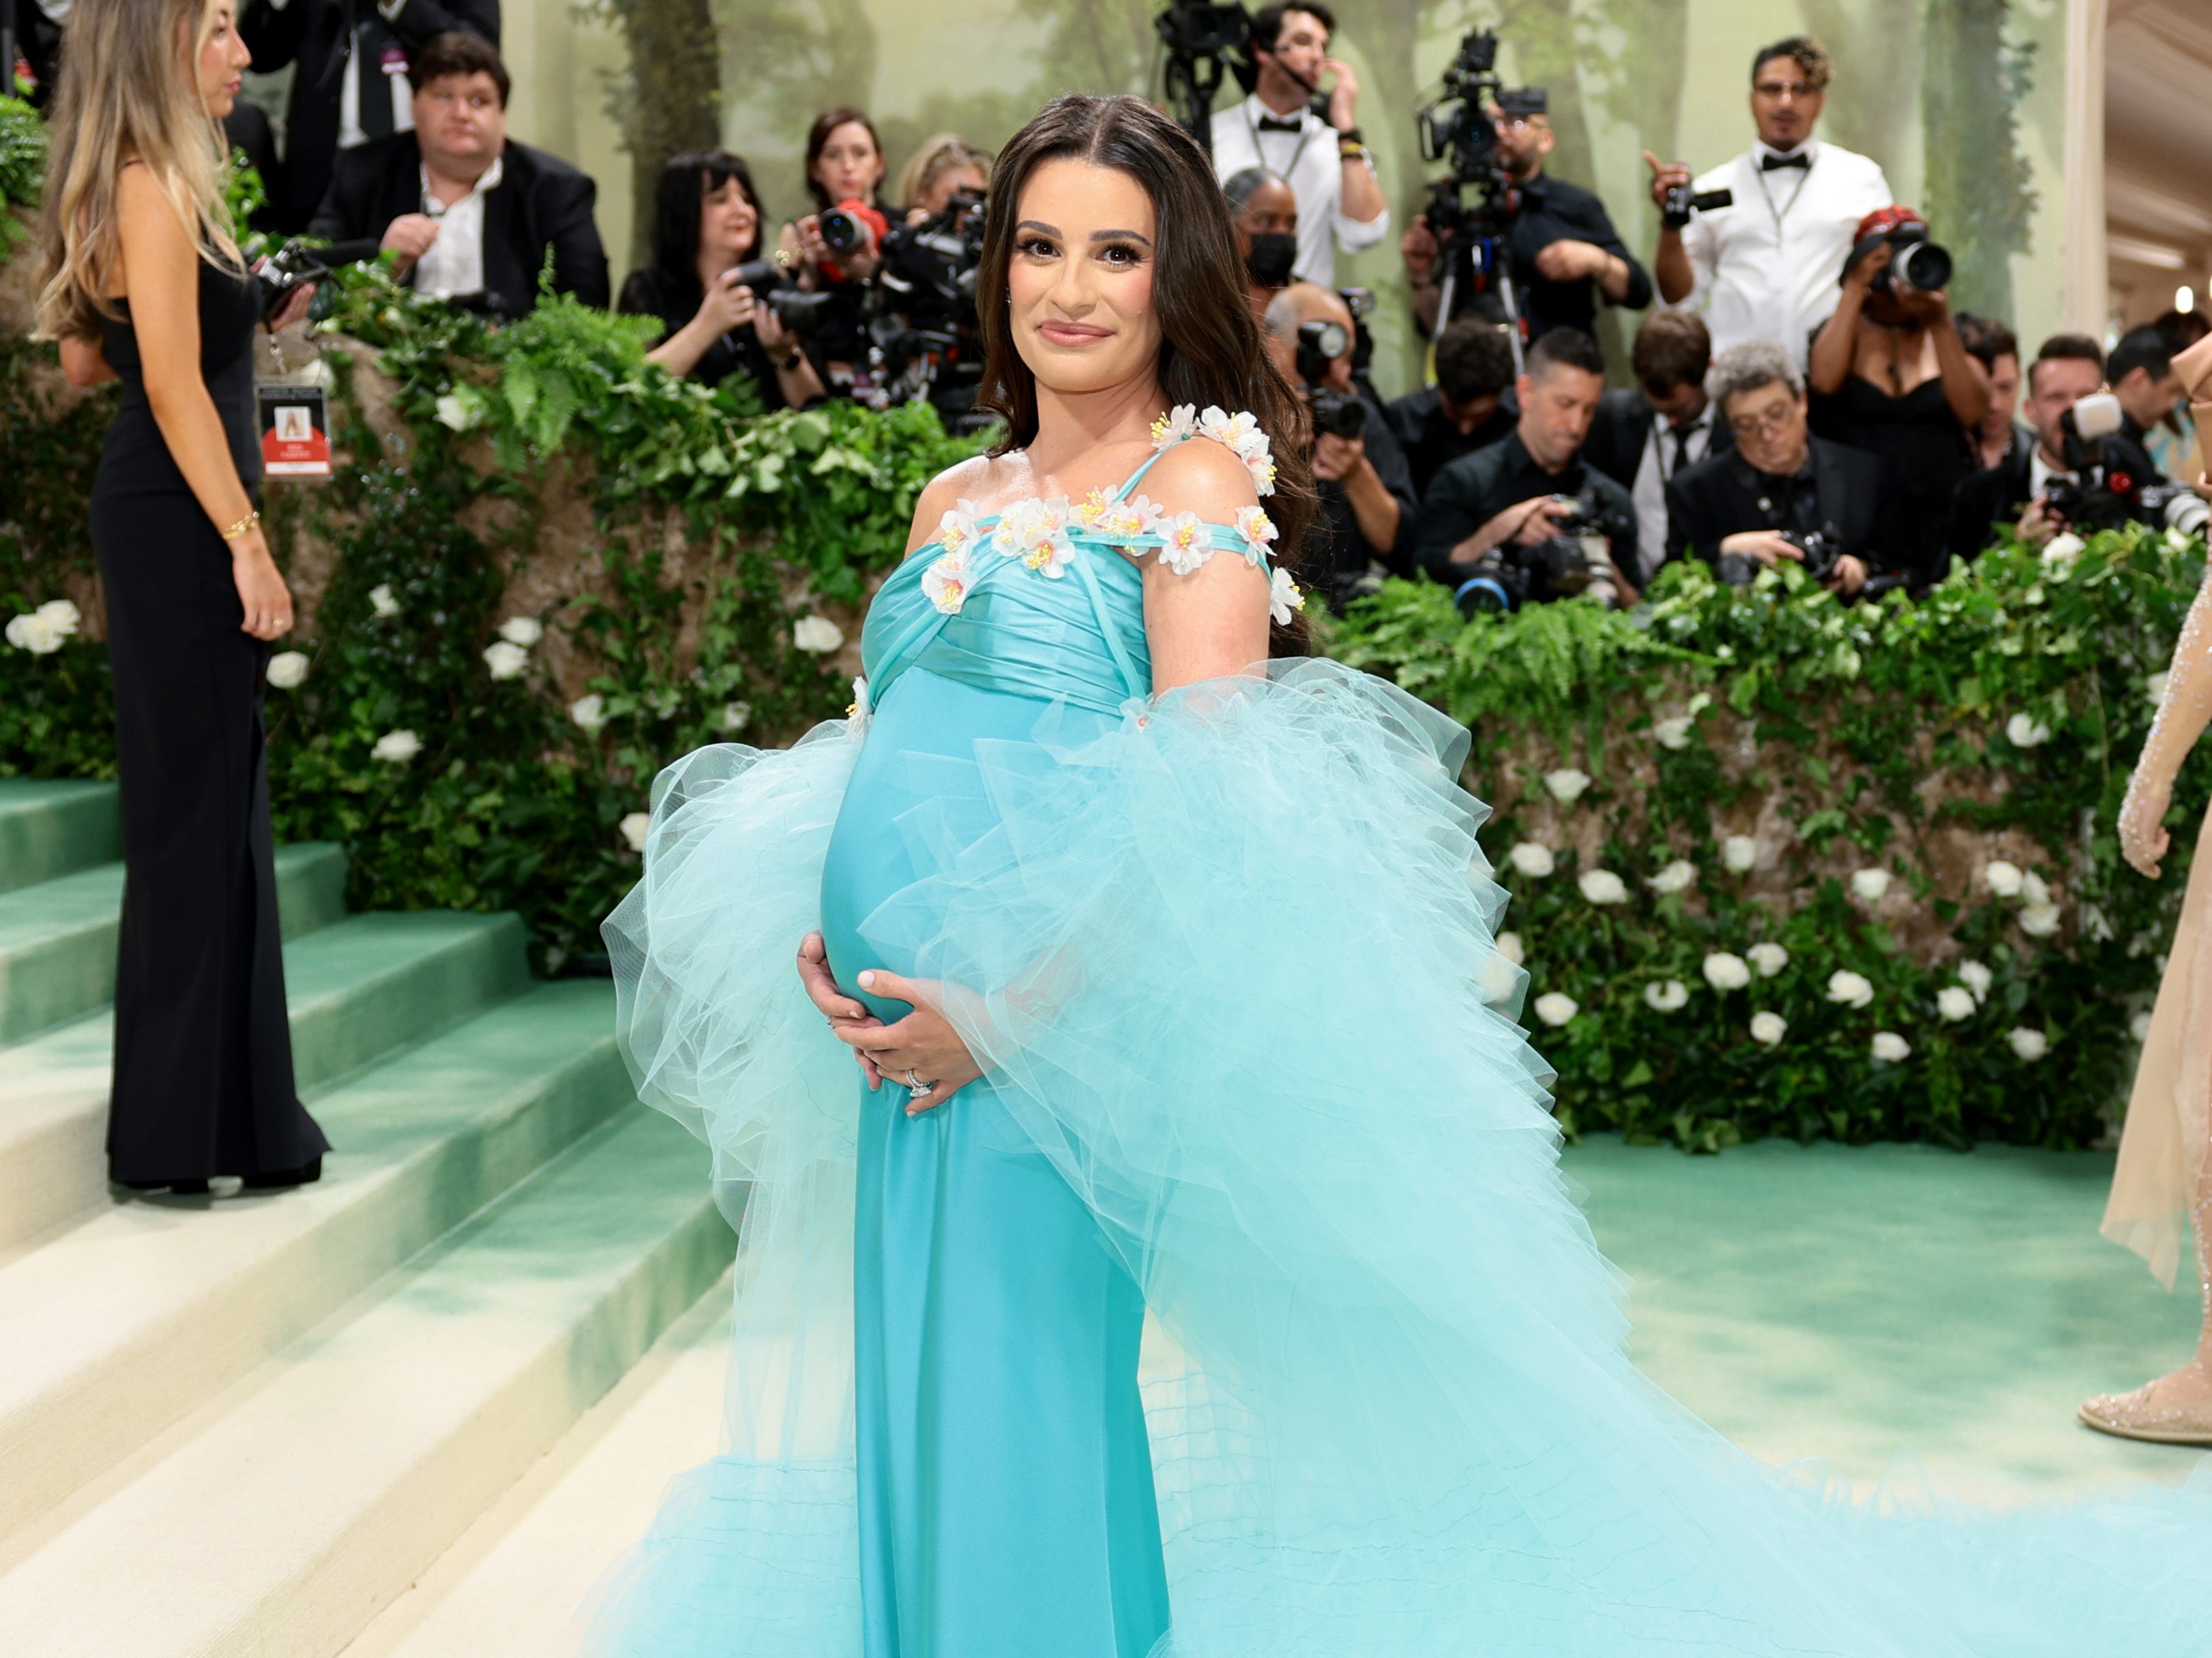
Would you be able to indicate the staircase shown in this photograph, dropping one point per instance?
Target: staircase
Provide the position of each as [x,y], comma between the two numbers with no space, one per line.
[250,1424]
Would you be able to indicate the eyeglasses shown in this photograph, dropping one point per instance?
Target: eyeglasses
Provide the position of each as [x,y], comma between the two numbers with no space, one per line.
[1780,89]
[1524,122]
[1763,425]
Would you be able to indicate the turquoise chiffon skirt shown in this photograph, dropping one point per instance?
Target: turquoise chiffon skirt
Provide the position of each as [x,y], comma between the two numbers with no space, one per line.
[1245,1312]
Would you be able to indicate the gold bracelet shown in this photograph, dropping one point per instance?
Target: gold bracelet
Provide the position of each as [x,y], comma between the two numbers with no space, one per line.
[242,526]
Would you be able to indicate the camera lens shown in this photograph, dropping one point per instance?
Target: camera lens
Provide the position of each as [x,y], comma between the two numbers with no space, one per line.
[1922,265]
[840,231]
[1482,595]
[763,276]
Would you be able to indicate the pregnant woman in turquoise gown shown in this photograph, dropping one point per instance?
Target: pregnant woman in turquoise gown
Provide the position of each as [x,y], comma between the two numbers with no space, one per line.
[1189,1272]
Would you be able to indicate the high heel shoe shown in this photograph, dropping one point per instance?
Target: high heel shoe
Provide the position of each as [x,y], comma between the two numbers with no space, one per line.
[281,1179]
[2135,1415]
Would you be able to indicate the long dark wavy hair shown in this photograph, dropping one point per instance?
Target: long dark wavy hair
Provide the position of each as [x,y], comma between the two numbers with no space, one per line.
[1210,348]
[684,183]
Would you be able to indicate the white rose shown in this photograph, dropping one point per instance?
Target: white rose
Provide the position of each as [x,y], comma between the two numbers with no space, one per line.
[589,712]
[1509,947]
[2061,550]
[287,669]
[2025,732]
[2154,687]
[2034,890]
[398,746]
[2030,1045]
[1532,859]
[735,714]
[1740,853]
[1566,784]
[633,828]
[1768,959]
[1676,877]
[1870,883]
[1768,1029]
[2038,920]
[382,601]
[33,633]
[60,615]
[1602,886]
[817,634]
[2001,877]
[1889,1048]
[1724,970]
[1665,996]
[2139,1027]
[505,659]
[1977,979]
[1555,1009]
[523,630]
[1955,1003]
[1851,989]
[1672,733]
[1499,976]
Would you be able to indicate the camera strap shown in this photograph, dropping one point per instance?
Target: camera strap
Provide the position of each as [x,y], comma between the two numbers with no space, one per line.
[1759,176]
[1284,170]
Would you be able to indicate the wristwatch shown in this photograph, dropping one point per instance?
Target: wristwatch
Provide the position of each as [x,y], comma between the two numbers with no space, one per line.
[790,364]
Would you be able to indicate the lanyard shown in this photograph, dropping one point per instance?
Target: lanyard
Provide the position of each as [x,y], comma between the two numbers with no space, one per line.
[1759,173]
[1305,138]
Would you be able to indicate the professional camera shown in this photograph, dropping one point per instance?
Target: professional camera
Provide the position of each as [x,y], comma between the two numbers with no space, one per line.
[1683,201]
[1915,263]
[1456,127]
[299,262]
[1576,559]
[925,327]
[805,314]
[1200,41]
[2102,496]
[1340,413]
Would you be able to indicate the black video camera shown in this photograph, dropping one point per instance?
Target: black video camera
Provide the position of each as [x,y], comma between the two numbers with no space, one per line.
[805,314]
[299,262]
[1915,263]
[1201,40]
[1339,414]
[1576,559]
[1683,201]
[925,325]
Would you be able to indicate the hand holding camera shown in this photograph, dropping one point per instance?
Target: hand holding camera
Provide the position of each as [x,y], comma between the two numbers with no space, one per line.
[843,243]
[730,303]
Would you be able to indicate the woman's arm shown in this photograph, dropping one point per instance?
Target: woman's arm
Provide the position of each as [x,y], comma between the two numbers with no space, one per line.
[798,382]
[2183,714]
[1214,622]
[1963,388]
[84,363]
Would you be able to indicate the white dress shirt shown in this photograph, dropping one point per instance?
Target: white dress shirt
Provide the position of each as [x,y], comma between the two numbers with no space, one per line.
[1771,266]
[396,84]
[1652,474]
[1308,161]
[2041,471]
[454,263]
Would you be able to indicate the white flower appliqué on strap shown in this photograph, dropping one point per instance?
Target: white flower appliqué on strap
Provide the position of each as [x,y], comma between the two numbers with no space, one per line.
[947,583]
[956,530]
[1035,532]
[1186,543]
[1240,434]
[1257,530]
[1283,597]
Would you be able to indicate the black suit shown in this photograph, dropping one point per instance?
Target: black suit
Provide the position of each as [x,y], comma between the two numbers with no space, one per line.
[1621,426]
[1720,495]
[39,38]
[1994,496]
[316,36]
[541,203]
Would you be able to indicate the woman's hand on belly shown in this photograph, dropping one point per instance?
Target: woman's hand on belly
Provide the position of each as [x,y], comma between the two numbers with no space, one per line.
[922,1045]
[844,1014]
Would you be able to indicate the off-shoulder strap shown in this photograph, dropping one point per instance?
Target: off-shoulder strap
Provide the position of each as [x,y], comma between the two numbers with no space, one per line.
[1136,476]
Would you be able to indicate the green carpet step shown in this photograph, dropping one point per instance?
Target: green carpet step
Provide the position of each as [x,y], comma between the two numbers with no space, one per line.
[313,1493]
[359,989]
[119,1327]
[57,939]
[50,829]
[510,1586]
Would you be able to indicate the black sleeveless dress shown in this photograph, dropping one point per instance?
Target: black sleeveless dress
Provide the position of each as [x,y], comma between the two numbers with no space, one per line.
[1929,455]
[202,1050]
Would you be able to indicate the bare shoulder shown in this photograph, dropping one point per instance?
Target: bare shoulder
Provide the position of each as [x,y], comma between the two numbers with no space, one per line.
[1200,476]
[966,480]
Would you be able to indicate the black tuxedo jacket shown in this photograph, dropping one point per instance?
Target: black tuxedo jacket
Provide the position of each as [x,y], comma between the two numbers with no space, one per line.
[1617,435]
[1720,495]
[541,203]
[1997,494]
[313,35]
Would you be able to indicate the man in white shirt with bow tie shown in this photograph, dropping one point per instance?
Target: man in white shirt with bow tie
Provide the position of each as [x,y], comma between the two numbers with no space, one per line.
[1769,266]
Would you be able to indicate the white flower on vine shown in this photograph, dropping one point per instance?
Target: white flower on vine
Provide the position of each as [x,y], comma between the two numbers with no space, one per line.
[956,530]
[2025,730]
[397,747]
[457,412]
[382,601]
[2062,549]
[1977,979]
[1178,423]
[2154,686]
[1674,732]
[1740,854]
[1955,1003]
[1725,970]
[1676,877]
[33,633]
[1769,959]
[947,582]
[1602,886]
[288,669]
[2030,1045]
[1870,885]
[1533,858]
[1285,597]
[735,716]
[2038,920]
[1185,543]
[2002,877]
[1768,1029]
[60,615]
[1555,1008]
[1509,947]
[1566,784]
[635,827]
[523,630]
[816,634]
[1889,1048]
[589,714]
[1666,995]
[1257,529]
[506,659]
[2034,890]
[1850,989]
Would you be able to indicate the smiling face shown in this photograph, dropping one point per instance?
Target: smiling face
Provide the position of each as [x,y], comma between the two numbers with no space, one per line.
[220,60]
[850,167]
[1080,280]
[729,224]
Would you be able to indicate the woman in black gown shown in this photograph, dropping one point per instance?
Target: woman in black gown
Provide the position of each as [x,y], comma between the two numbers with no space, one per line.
[144,282]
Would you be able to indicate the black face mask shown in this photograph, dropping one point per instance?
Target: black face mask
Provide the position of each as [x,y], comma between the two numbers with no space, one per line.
[1272,255]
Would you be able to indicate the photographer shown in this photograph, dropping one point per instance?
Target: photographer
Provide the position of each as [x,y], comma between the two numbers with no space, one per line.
[1782,494]
[844,170]
[1565,249]
[1366,493]
[1764,268]
[1263,215]
[1642,438]
[1518,494]
[2141,374]
[1890,375]
[1466,409]
[707,224]
[941,167]
[1339,202]
[2001,440]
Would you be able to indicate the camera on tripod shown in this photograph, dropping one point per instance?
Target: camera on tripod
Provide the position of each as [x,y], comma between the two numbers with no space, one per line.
[1456,127]
[1576,559]
[1202,42]
[1339,414]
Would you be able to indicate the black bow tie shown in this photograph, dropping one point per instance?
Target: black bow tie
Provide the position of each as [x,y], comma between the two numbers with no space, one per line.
[1801,161]
[1269,123]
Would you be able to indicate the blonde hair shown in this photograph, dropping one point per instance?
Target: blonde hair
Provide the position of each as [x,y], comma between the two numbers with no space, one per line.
[128,90]
[935,158]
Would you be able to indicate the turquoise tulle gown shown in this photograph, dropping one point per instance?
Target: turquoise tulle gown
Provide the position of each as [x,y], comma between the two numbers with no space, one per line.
[1243,1310]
